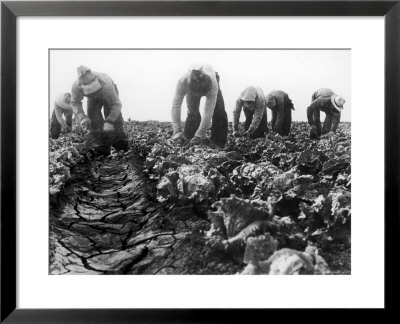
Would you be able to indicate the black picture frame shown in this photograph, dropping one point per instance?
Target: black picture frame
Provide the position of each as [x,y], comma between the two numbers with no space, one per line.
[11,10]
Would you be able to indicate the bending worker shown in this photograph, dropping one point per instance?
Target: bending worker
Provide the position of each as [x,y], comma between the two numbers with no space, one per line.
[101,92]
[331,104]
[253,102]
[62,109]
[281,106]
[199,81]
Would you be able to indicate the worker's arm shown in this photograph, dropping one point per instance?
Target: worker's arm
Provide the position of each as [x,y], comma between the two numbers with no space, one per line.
[76,101]
[279,106]
[335,121]
[58,112]
[313,111]
[211,100]
[310,116]
[258,114]
[112,98]
[180,93]
[236,114]
[273,119]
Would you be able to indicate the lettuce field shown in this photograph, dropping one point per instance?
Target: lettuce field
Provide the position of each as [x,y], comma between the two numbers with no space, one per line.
[277,205]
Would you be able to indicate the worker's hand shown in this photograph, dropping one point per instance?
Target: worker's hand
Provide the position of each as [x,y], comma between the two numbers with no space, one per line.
[179,138]
[328,135]
[247,134]
[331,134]
[108,127]
[65,129]
[86,124]
[236,134]
[195,141]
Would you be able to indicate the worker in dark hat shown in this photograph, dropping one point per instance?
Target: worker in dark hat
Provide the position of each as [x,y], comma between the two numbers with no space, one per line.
[101,93]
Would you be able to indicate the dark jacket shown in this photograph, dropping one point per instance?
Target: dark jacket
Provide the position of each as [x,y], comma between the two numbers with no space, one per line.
[281,106]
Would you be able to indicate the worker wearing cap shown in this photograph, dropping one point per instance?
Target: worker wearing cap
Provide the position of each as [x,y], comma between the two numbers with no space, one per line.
[281,106]
[62,109]
[252,100]
[101,92]
[199,81]
[331,104]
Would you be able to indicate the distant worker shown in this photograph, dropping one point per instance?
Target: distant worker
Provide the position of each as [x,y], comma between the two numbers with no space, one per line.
[199,81]
[62,109]
[252,100]
[281,106]
[331,104]
[101,92]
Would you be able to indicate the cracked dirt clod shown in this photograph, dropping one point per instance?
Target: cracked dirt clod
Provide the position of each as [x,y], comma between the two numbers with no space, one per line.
[118,260]
[106,222]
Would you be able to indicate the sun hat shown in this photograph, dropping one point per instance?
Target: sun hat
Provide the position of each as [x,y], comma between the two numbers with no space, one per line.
[249,94]
[88,80]
[63,100]
[338,102]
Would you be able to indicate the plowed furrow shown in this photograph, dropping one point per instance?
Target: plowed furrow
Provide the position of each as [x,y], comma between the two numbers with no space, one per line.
[108,222]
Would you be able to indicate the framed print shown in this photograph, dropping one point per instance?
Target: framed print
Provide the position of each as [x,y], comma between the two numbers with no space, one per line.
[108,191]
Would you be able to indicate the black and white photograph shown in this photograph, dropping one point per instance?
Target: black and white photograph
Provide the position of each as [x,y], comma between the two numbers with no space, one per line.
[199,161]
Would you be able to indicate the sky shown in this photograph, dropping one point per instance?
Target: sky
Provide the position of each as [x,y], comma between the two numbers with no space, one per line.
[147,79]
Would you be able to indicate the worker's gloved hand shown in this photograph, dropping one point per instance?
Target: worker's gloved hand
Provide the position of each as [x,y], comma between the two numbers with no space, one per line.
[108,127]
[90,139]
[247,134]
[328,135]
[331,134]
[313,132]
[236,134]
[86,123]
[195,141]
[65,129]
[179,138]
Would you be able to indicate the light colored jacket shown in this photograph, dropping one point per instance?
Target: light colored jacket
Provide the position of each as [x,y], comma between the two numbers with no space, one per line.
[61,106]
[107,93]
[250,94]
[182,89]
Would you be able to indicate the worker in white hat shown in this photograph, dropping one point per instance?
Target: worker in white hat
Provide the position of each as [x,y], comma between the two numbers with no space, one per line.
[331,104]
[252,101]
[281,106]
[101,92]
[61,119]
[200,81]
